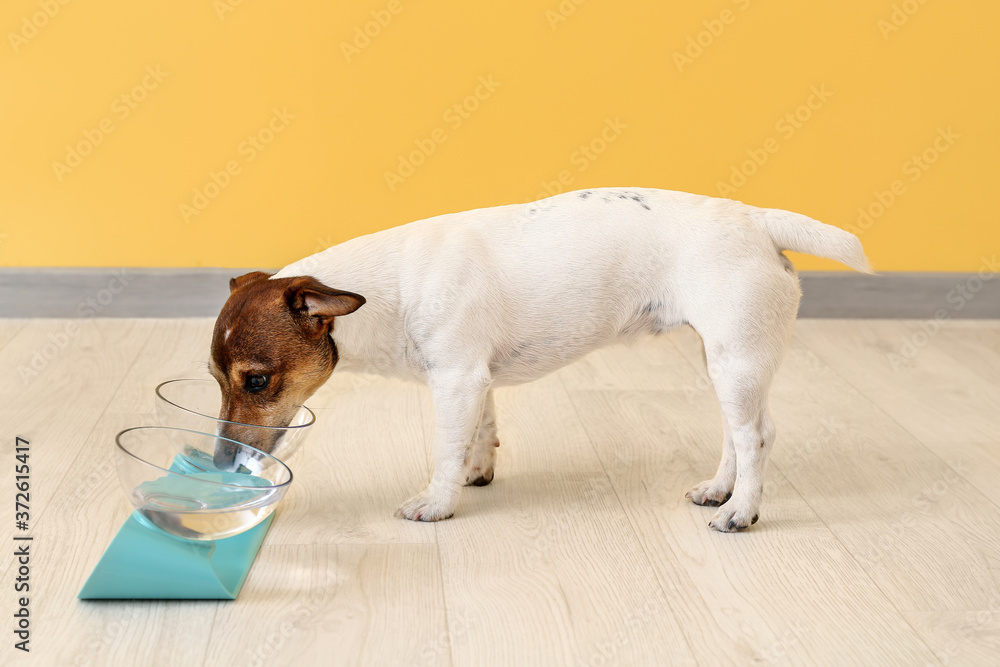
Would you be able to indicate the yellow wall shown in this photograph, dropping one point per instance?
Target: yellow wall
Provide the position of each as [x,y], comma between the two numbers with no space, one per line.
[558,75]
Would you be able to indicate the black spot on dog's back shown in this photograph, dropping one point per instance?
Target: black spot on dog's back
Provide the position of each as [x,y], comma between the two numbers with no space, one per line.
[639,199]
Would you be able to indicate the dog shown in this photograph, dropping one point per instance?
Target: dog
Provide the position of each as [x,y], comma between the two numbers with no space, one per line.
[468,302]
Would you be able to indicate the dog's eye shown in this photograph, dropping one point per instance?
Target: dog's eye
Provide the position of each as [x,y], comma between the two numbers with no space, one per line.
[255,383]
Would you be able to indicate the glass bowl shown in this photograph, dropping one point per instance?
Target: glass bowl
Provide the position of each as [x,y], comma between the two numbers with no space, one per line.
[170,479]
[196,404]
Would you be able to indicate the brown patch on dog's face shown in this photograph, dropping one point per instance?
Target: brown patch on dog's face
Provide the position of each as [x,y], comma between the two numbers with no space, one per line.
[271,349]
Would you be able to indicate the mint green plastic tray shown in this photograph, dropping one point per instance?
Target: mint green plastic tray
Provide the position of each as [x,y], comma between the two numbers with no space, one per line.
[143,562]
[146,563]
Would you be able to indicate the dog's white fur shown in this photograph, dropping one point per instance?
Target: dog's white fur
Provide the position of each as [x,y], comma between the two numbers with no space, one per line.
[471,301]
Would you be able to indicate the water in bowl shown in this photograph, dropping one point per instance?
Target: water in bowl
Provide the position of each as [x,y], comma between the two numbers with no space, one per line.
[204,505]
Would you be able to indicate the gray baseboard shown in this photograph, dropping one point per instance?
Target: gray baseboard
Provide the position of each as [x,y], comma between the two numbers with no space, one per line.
[898,295]
[126,292]
[200,292]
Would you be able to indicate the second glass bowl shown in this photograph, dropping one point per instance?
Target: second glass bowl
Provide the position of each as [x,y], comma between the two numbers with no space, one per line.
[195,404]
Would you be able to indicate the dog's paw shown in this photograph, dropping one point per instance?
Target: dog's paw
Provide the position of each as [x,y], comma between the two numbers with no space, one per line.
[478,477]
[732,518]
[426,506]
[481,463]
[710,493]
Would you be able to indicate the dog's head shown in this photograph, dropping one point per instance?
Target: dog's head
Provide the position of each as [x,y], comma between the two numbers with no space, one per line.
[271,350]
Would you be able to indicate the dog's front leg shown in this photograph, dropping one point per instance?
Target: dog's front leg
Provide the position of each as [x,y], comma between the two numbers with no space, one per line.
[480,461]
[458,409]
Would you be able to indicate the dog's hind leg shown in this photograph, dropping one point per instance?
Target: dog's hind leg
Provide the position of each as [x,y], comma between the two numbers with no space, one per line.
[741,371]
[480,461]
[713,492]
[743,397]
[744,344]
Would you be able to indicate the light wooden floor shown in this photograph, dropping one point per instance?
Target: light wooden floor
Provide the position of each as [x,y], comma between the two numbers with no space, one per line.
[879,539]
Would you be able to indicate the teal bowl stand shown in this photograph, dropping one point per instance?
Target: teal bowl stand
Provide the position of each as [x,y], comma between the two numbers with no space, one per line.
[144,563]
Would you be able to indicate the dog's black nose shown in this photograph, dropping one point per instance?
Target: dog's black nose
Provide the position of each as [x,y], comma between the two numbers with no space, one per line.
[225,455]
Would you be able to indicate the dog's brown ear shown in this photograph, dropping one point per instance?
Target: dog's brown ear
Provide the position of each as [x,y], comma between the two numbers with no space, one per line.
[317,305]
[246,279]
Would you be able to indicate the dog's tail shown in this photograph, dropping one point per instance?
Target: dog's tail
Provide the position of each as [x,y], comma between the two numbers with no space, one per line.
[793,231]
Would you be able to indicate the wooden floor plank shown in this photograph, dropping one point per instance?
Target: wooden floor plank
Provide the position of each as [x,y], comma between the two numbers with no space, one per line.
[86,512]
[9,328]
[976,462]
[960,638]
[346,604]
[56,406]
[541,567]
[367,453]
[176,348]
[902,510]
[659,444]
[977,348]
[879,540]
[899,364]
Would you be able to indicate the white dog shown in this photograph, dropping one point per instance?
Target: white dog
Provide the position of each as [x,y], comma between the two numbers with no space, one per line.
[471,301]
